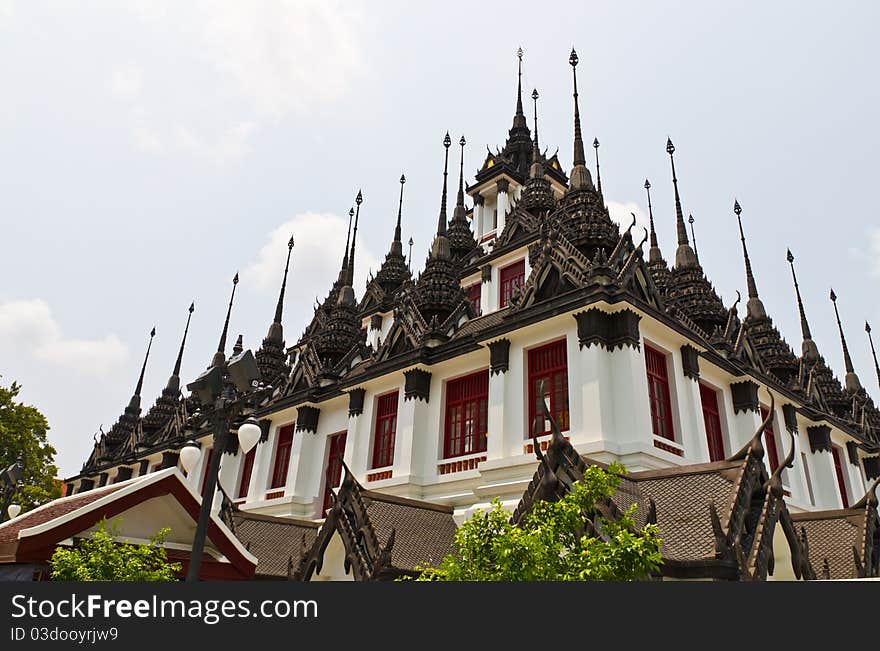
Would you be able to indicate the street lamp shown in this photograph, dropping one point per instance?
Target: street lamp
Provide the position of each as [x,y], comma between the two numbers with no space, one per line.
[224,389]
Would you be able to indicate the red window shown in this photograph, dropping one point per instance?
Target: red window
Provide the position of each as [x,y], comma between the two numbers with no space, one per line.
[712,419]
[512,278]
[838,470]
[548,380]
[658,393]
[333,474]
[770,441]
[473,296]
[282,456]
[467,409]
[205,470]
[246,469]
[386,428]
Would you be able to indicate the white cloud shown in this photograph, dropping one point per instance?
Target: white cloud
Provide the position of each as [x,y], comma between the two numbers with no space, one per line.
[229,144]
[317,256]
[126,82]
[28,326]
[622,213]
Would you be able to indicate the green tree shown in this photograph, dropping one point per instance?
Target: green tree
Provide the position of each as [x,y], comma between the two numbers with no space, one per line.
[103,558]
[550,543]
[23,432]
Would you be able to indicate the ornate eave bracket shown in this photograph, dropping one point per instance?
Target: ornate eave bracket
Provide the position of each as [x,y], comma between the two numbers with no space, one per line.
[417,384]
[307,419]
[820,438]
[608,330]
[690,362]
[356,402]
[499,356]
[745,396]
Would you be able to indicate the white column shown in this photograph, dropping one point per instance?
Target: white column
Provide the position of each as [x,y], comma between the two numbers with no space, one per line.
[742,425]
[503,203]
[824,480]
[305,470]
[854,475]
[412,423]
[591,403]
[497,426]
[261,469]
[477,222]
[632,409]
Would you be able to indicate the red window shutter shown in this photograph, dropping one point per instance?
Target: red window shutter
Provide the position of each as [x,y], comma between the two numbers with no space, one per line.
[386,430]
[658,393]
[205,471]
[770,441]
[838,470]
[467,409]
[548,368]
[282,456]
[473,295]
[246,470]
[333,472]
[512,278]
[712,419]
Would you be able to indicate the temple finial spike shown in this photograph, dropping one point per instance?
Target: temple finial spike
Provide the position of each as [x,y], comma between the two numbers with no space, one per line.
[598,174]
[220,355]
[579,179]
[399,210]
[441,223]
[873,352]
[176,372]
[520,118]
[459,202]
[279,308]
[140,382]
[359,199]
[654,254]
[808,347]
[694,238]
[754,307]
[852,380]
[344,269]
[684,255]
[535,101]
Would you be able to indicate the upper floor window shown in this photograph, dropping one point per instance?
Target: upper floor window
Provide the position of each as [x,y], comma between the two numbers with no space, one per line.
[467,408]
[548,380]
[512,278]
[712,420]
[770,440]
[473,295]
[841,481]
[658,393]
[247,468]
[386,429]
[333,471]
[282,456]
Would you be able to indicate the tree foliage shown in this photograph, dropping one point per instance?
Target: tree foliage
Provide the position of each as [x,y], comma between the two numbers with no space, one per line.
[23,432]
[551,544]
[103,558]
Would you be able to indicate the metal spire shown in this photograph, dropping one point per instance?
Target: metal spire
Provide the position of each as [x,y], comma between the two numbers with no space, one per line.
[140,382]
[441,223]
[174,380]
[459,202]
[409,257]
[238,348]
[654,254]
[598,175]
[280,306]
[359,199]
[399,211]
[579,179]
[754,306]
[852,380]
[694,238]
[873,352]
[220,355]
[684,255]
[343,271]
[808,347]
[535,100]
[519,120]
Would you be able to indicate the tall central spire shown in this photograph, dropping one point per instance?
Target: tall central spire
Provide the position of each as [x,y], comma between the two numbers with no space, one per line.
[519,119]
[852,380]
[459,212]
[754,307]
[684,255]
[220,355]
[598,174]
[873,352]
[343,270]
[276,332]
[808,347]
[441,222]
[140,382]
[654,254]
[174,380]
[580,176]
[358,200]
[397,246]
[694,237]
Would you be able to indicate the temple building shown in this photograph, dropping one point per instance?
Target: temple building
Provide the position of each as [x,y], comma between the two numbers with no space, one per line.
[539,337]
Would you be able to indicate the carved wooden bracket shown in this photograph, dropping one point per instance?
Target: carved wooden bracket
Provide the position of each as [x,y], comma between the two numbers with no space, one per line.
[356,402]
[608,330]
[690,361]
[307,419]
[417,384]
[745,396]
[820,438]
[499,356]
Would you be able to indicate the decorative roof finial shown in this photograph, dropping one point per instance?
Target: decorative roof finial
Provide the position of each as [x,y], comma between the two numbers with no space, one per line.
[873,352]
[399,210]
[808,348]
[535,101]
[598,175]
[441,223]
[140,382]
[684,255]
[459,202]
[359,199]
[174,380]
[409,257]
[343,271]
[238,348]
[694,237]
[220,355]
[580,176]
[754,306]
[519,119]
[654,254]
[852,380]
[275,330]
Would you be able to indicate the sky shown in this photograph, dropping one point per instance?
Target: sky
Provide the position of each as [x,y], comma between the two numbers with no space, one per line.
[150,150]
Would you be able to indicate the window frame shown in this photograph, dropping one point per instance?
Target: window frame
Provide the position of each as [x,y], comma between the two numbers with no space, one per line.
[666,382]
[842,484]
[276,482]
[477,288]
[375,456]
[479,397]
[720,453]
[332,467]
[551,374]
[504,299]
[771,443]
[246,473]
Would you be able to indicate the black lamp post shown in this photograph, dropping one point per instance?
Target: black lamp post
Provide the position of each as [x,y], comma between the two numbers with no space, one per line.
[10,483]
[227,387]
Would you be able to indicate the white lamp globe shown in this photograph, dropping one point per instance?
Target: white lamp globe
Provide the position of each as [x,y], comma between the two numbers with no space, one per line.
[248,435]
[189,456]
[13,511]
